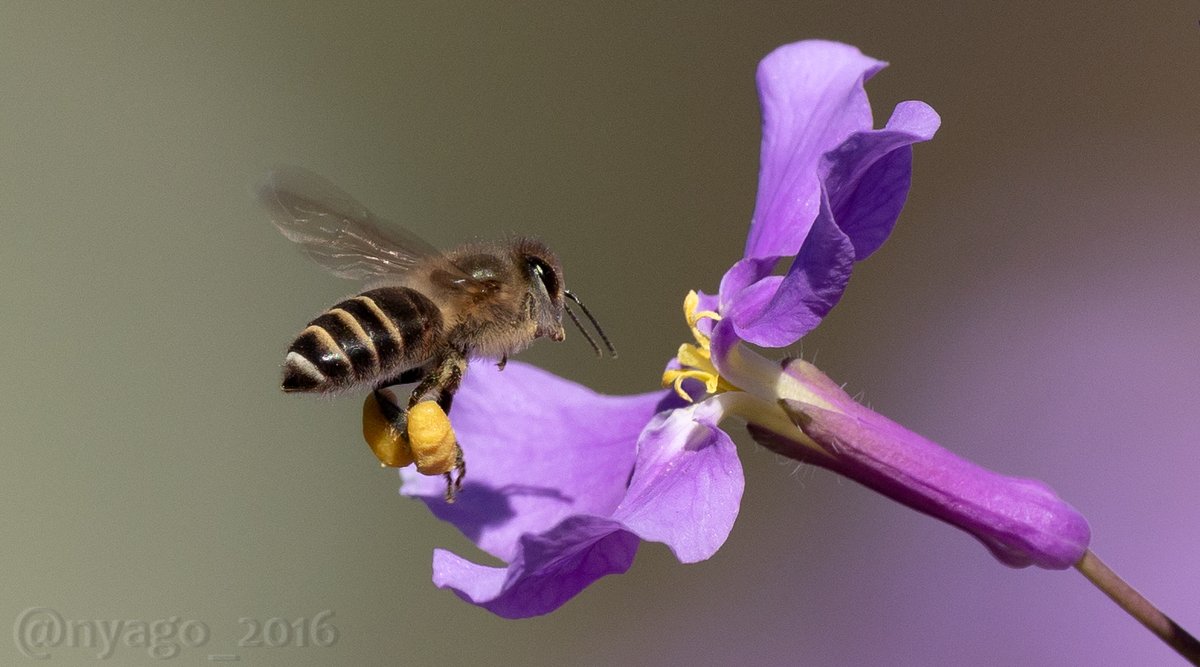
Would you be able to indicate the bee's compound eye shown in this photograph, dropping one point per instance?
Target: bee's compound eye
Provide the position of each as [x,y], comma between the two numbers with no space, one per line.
[545,274]
[434,446]
[389,445]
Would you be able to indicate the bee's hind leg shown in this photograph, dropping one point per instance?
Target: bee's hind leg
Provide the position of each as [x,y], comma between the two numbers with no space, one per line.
[441,381]
[396,415]
[439,384]
[454,482]
[425,434]
[391,412]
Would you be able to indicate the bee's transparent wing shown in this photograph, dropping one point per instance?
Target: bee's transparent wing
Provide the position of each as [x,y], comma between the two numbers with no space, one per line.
[339,233]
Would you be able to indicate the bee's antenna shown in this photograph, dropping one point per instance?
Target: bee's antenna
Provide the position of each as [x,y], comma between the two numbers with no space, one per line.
[584,332]
[607,343]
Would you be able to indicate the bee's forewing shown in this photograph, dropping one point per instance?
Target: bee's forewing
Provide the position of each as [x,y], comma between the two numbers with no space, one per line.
[339,233]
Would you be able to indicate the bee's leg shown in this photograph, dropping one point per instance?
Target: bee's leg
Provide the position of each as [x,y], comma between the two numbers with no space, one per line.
[443,380]
[391,412]
[454,484]
[453,382]
[502,363]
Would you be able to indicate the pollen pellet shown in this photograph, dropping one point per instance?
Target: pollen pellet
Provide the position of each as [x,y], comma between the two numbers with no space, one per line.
[434,447]
[389,444]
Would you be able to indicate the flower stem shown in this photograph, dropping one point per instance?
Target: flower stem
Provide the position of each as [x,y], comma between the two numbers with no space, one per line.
[1139,607]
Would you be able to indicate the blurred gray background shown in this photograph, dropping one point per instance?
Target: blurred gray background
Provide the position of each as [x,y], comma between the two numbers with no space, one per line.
[1037,310]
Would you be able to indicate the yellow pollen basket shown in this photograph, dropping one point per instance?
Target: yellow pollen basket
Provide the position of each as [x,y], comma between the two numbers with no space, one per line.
[429,442]
[696,360]
[434,446]
[390,446]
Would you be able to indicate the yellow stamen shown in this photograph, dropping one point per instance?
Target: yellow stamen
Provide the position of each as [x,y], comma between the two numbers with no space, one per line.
[693,317]
[695,357]
[696,360]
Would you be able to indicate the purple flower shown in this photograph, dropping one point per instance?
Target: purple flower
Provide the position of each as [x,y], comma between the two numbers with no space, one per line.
[566,483]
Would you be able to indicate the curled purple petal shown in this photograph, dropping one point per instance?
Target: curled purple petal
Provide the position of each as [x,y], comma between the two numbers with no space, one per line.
[742,275]
[550,568]
[830,188]
[539,449]
[1021,521]
[812,100]
[778,311]
[549,463]
[868,175]
[687,486]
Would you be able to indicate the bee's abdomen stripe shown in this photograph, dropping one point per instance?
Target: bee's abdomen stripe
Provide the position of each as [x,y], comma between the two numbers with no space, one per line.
[410,313]
[383,334]
[351,346]
[319,347]
[360,335]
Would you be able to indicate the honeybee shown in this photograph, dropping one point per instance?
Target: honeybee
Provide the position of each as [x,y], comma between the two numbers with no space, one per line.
[423,314]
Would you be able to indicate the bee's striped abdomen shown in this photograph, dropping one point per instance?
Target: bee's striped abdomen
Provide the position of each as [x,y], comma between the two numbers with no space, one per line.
[365,339]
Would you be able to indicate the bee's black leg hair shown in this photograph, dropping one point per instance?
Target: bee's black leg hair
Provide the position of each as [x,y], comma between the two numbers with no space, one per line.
[392,413]
[442,380]
[396,417]
[454,483]
[460,465]
[453,382]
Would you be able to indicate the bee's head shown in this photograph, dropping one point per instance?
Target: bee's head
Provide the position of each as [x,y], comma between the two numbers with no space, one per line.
[545,287]
[548,293]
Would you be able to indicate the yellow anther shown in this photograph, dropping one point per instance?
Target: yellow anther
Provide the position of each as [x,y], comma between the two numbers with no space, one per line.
[693,317]
[691,356]
[696,360]
[676,377]
[690,303]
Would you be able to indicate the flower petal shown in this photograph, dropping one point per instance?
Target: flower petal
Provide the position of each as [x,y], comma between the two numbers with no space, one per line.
[741,275]
[830,188]
[687,486]
[539,449]
[549,569]
[812,100]
[868,175]
[778,311]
